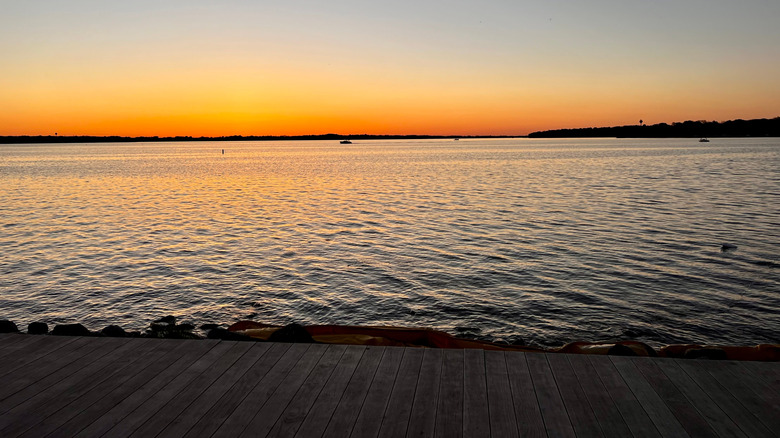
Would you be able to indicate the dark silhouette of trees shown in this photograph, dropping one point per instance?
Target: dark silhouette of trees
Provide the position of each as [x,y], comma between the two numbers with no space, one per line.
[689,128]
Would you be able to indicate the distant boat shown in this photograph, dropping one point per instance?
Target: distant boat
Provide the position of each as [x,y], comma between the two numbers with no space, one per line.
[345,142]
[456,139]
[703,140]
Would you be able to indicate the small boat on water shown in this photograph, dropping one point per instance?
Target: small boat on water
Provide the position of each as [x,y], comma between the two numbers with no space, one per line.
[704,140]
[345,142]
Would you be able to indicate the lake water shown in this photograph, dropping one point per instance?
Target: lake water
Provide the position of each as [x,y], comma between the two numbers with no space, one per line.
[535,241]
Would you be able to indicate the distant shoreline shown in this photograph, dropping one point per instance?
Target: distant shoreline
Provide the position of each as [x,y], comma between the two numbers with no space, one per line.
[687,129]
[33,139]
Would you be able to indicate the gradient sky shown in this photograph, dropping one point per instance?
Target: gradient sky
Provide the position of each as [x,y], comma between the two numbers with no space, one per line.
[381,67]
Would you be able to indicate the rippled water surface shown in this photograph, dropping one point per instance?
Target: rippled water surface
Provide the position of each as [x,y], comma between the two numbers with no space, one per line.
[536,241]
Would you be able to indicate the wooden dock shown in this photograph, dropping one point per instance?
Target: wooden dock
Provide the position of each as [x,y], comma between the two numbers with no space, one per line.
[119,387]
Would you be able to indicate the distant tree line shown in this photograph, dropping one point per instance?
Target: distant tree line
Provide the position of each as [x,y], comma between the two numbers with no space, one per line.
[701,128]
[28,139]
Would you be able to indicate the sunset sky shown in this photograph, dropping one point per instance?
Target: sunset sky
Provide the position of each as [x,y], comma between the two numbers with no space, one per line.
[381,67]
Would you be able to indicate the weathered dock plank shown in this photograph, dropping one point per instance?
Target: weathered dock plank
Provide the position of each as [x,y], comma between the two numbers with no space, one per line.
[167,398]
[105,384]
[475,402]
[290,417]
[275,404]
[527,413]
[369,420]
[114,387]
[449,409]
[326,403]
[46,399]
[246,406]
[604,409]
[16,361]
[346,412]
[556,419]
[399,407]
[233,398]
[54,373]
[725,401]
[191,352]
[31,374]
[196,410]
[108,402]
[757,396]
[663,419]
[718,420]
[422,421]
[617,389]
[582,418]
[502,413]
[12,341]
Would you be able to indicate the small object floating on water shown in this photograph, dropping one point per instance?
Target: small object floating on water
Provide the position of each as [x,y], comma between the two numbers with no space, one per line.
[727,247]
[223,152]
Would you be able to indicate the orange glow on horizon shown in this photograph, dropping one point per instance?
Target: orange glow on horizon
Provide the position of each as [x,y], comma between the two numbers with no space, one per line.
[252,69]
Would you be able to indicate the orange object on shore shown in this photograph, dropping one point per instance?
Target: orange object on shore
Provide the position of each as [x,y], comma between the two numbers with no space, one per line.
[423,337]
[369,335]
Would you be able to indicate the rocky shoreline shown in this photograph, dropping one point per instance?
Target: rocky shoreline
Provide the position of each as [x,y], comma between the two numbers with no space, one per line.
[167,328]
[164,328]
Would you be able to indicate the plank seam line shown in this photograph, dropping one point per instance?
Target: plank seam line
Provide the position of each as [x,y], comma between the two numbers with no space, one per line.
[192,400]
[509,388]
[536,393]
[152,352]
[558,390]
[236,383]
[123,399]
[48,397]
[90,349]
[330,374]
[338,402]
[487,393]
[36,343]
[585,394]
[438,395]
[416,382]
[759,419]
[668,406]
[237,379]
[259,408]
[42,357]
[417,385]
[703,415]
[194,378]
[373,376]
[395,380]
[193,360]
[609,395]
[463,402]
[612,363]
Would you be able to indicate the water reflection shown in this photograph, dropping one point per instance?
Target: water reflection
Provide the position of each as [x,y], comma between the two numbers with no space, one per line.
[548,240]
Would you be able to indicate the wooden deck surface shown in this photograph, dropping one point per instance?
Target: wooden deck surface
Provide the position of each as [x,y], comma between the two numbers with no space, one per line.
[119,387]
